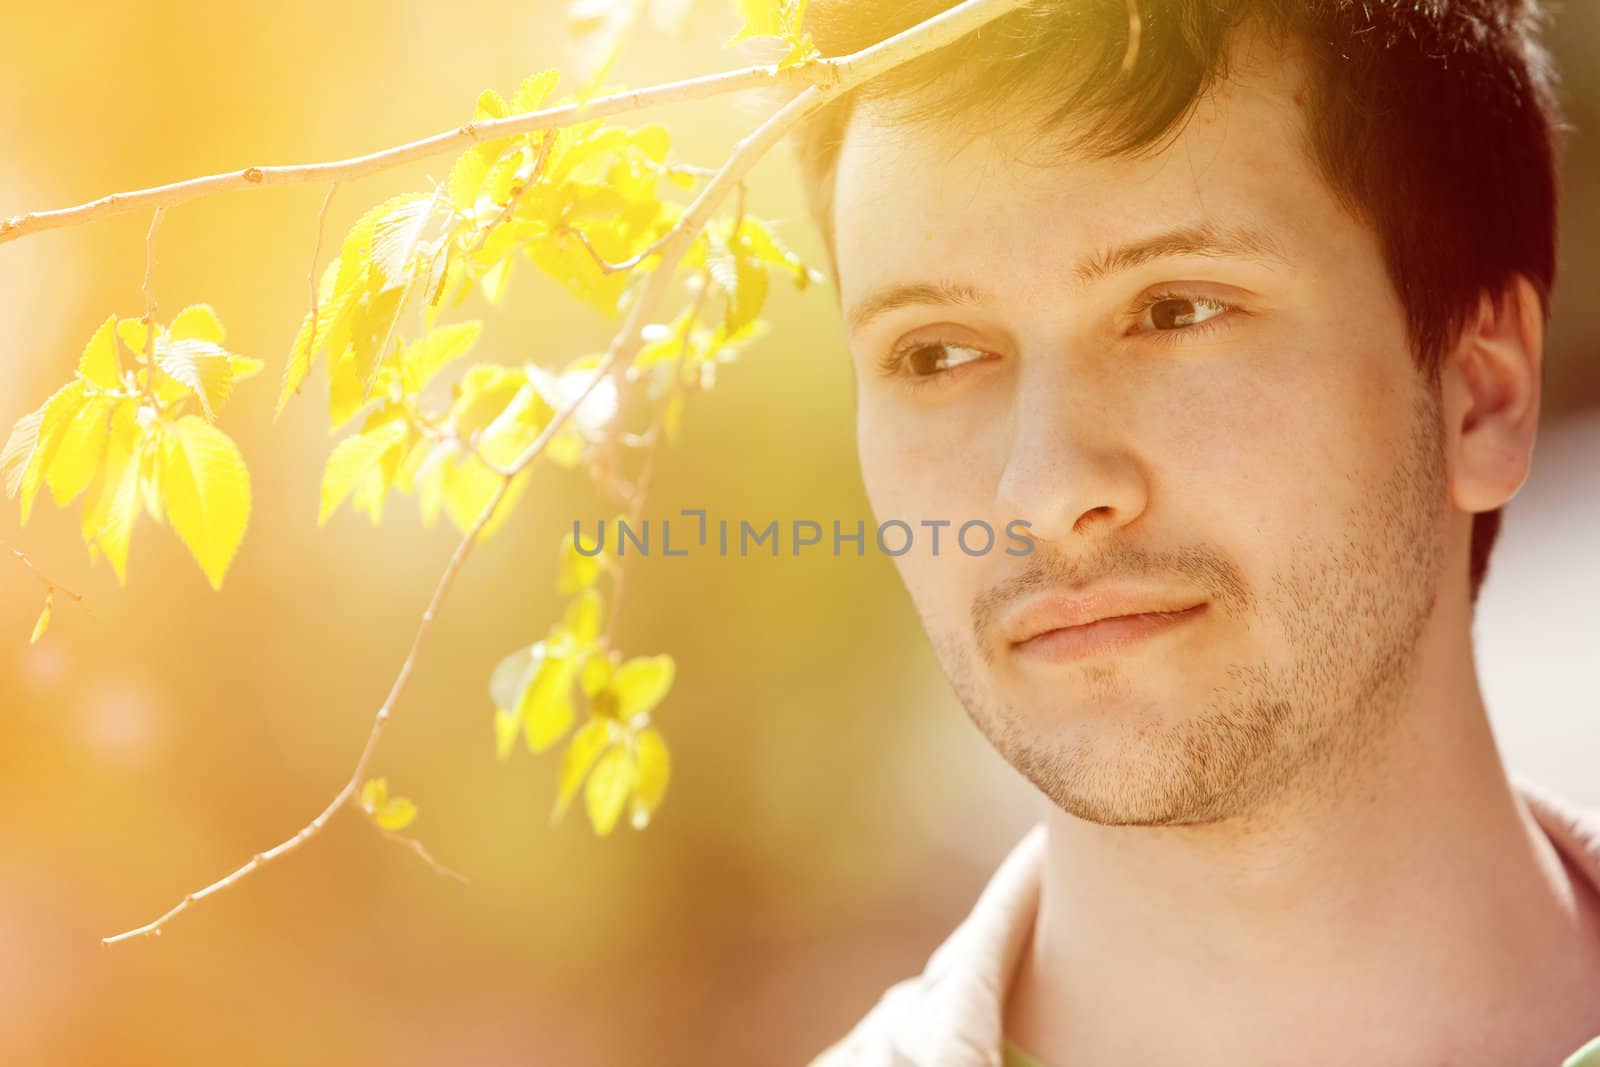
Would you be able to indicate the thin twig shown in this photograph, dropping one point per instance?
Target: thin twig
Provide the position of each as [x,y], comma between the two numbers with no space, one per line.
[427,857]
[469,133]
[351,789]
[516,197]
[846,74]
[48,582]
[150,307]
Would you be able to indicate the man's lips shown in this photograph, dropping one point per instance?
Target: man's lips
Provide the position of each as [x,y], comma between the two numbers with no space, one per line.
[1064,627]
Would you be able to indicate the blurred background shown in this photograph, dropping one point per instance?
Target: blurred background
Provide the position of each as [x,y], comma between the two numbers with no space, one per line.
[832,813]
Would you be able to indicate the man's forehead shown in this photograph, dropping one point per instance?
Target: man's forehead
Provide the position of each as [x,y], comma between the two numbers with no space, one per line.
[1231,175]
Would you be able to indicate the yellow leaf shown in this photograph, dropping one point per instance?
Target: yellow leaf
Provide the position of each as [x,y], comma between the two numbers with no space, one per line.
[585,747]
[467,174]
[353,459]
[44,617]
[531,94]
[610,783]
[578,570]
[59,412]
[581,621]
[397,814]
[396,235]
[506,725]
[495,280]
[99,365]
[490,106]
[597,672]
[207,493]
[512,675]
[114,499]
[672,418]
[762,18]
[19,446]
[78,454]
[655,768]
[641,683]
[546,706]
[121,441]
[371,326]
[465,506]
[204,367]
[654,140]
[436,350]
[374,794]
[244,366]
[197,322]
[136,335]
[305,346]
[150,487]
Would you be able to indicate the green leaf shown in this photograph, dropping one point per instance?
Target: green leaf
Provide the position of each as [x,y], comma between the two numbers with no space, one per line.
[353,459]
[207,493]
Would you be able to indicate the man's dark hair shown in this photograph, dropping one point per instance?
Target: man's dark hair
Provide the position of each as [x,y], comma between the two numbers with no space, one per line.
[1435,121]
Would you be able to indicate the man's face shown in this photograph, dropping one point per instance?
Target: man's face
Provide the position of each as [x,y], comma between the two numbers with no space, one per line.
[1189,373]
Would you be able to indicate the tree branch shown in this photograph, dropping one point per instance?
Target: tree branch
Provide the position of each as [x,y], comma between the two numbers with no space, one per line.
[831,78]
[359,166]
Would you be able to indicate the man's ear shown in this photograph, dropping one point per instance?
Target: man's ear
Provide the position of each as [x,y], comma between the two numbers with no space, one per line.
[1490,396]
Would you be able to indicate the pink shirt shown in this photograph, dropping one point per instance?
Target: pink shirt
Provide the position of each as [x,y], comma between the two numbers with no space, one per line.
[950,1015]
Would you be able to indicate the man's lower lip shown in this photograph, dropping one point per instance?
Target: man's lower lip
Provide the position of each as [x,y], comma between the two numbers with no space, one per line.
[1104,637]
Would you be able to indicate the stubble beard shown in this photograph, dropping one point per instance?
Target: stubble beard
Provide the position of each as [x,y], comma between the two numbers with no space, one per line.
[1352,613]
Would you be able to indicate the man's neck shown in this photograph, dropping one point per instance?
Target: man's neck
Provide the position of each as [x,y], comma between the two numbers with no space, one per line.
[1415,915]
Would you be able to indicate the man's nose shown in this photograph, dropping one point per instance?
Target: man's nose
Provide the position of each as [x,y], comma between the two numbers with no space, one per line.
[1071,472]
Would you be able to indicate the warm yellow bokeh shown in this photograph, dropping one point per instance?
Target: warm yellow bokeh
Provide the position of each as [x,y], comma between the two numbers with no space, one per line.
[831,813]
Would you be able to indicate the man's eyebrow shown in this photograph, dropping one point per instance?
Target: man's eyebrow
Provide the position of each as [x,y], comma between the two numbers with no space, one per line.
[1238,242]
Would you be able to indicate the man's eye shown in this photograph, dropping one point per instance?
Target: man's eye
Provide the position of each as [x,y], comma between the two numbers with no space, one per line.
[1170,311]
[921,361]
